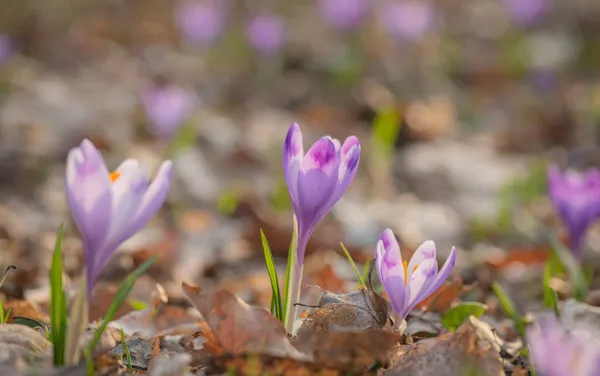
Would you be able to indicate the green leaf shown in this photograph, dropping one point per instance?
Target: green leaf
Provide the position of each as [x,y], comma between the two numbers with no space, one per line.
[276,303]
[509,308]
[456,315]
[32,323]
[366,268]
[550,296]
[386,129]
[58,301]
[184,139]
[351,261]
[78,322]
[572,266]
[124,290]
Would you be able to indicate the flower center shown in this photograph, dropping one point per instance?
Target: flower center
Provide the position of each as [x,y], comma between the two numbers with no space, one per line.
[405,264]
[115,175]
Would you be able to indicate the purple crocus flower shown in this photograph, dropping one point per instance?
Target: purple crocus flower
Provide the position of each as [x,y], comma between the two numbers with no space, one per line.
[168,107]
[407,20]
[556,352]
[109,208]
[266,33]
[6,48]
[409,283]
[576,197]
[344,14]
[526,12]
[201,21]
[318,179]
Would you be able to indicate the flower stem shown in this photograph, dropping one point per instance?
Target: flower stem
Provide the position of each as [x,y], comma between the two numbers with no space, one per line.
[293,296]
[293,280]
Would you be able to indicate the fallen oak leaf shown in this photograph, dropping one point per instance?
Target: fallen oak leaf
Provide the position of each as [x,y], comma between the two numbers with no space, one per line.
[444,297]
[239,327]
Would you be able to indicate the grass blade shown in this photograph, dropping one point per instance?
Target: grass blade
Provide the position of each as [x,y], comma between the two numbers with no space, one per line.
[58,301]
[351,261]
[126,349]
[509,308]
[78,322]
[276,303]
[120,296]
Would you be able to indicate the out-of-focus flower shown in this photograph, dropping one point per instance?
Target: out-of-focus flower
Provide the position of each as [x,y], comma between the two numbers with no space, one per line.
[407,19]
[526,12]
[201,21]
[576,197]
[344,14]
[6,48]
[109,208]
[556,352]
[266,33]
[318,179]
[409,283]
[168,107]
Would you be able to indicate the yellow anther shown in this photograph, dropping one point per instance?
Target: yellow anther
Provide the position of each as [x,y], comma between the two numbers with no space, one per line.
[114,176]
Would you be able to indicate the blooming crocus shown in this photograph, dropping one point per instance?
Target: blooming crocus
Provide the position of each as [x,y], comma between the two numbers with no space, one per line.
[109,208]
[556,352]
[344,14]
[576,197]
[168,107]
[409,283]
[526,12]
[407,20]
[316,181]
[201,21]
[266,33]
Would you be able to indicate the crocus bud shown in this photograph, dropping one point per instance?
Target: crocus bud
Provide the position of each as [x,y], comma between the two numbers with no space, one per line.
[409,283]
[109,208]
[556,352]
[168,107]
[201,21]
[318,179]
[407,19]
[344,14]
[576,198]
[266,33]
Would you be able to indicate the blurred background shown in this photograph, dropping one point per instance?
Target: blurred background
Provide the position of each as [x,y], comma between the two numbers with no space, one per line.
[459,106]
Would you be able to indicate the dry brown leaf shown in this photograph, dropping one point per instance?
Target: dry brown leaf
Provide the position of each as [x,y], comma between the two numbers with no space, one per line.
[238,327]
[536,256]
[253,364]
[348,350]
[449,355]
[25,309]
[444,297]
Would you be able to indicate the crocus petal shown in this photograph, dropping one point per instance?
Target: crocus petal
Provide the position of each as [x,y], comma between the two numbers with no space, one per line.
[153,199]
[316,181]
[426,251]
[396,291]
[419,283]
[293,151]
[389,257]
[444,272]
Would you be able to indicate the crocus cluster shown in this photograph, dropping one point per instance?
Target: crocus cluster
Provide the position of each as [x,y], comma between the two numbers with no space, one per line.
[344,14]
[201,21]
[576,197]
[407,283]
[556,352]
[266,33]
[109,208]
[407,20]
[168,107]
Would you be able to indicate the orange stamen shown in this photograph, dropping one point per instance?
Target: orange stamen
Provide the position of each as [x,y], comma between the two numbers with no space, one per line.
[114,176]
[405,264]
